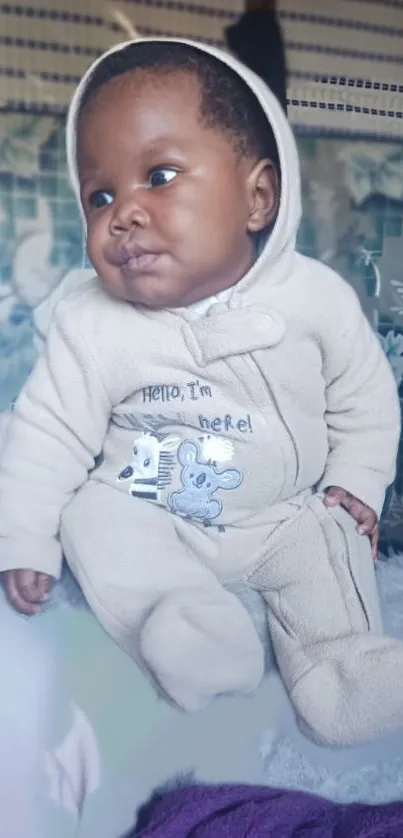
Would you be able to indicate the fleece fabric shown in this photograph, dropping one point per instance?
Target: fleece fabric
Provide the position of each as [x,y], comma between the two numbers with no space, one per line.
[167,452]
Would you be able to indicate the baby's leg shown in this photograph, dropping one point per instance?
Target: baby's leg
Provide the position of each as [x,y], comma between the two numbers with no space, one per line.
[156,600]
[344,678]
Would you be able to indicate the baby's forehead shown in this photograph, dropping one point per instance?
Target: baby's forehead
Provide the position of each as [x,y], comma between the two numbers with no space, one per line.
[136,120]
[145,85]
[141,101]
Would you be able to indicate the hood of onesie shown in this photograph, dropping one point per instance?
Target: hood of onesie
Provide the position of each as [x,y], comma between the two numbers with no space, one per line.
[274,258]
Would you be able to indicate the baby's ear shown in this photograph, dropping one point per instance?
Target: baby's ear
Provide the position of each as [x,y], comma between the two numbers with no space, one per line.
[264,192]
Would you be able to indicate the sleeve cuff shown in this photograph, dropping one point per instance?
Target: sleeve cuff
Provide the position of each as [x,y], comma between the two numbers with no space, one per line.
[31,553]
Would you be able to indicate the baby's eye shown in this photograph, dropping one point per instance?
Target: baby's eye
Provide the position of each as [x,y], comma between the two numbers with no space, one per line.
[161,177]
[147,462]
[100,198]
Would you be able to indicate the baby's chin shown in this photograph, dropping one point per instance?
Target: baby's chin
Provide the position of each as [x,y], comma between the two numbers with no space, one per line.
[155,293]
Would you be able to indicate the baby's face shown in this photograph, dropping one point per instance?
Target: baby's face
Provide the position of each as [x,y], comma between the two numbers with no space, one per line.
[167,201]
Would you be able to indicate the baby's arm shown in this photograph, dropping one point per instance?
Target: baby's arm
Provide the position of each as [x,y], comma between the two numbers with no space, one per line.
[56,429]
[363,412]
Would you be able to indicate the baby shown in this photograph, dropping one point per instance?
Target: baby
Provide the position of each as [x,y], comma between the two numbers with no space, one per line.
[210,406]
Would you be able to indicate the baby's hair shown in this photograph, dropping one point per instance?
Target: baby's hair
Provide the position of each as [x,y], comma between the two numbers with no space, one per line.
[227,104]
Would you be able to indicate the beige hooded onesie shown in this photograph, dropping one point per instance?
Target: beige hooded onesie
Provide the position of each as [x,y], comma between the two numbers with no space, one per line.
[216,428]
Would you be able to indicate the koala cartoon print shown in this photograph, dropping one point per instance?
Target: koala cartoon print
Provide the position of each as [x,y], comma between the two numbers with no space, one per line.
[200,480]
[151,466]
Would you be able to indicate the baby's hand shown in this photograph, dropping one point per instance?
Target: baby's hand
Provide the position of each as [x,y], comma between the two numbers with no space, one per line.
[365,516]
[26,589]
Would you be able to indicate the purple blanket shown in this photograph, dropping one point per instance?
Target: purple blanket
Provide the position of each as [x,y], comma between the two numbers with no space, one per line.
[260,812]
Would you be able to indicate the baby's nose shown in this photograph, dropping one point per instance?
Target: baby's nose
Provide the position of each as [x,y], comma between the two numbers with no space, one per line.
[200,479]
[129,213]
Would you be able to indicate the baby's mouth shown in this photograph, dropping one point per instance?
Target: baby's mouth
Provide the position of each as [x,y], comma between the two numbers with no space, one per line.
[142,263]
[132,258]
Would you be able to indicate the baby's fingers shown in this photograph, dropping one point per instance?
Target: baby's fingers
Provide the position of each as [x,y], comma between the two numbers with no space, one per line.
[17,597]
[366,520]
[334,496]
[365,517]
[43,585]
